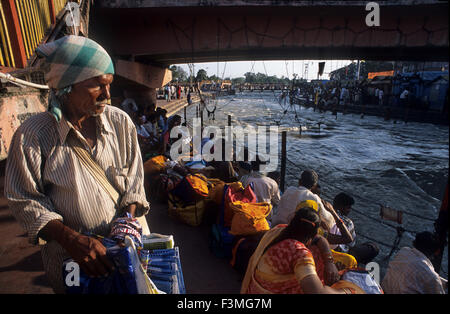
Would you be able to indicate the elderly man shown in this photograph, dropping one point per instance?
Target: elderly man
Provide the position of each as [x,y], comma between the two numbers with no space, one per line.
[52,190]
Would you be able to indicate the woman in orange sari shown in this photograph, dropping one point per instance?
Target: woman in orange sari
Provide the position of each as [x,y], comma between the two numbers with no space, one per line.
[282,263]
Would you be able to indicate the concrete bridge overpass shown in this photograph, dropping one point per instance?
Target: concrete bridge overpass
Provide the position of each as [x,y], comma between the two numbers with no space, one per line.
[148,35]
[187,31]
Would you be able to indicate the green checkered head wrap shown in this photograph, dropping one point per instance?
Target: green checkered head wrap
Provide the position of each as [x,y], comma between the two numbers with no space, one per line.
[73,59]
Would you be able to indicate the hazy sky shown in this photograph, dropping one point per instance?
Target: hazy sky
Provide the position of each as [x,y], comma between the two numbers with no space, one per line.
[279,68]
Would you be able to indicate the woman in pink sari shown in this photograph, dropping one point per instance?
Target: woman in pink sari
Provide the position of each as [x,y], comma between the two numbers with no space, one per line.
[282,263]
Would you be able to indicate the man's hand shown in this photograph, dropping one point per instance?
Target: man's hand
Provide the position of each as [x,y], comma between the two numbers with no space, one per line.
[90,254]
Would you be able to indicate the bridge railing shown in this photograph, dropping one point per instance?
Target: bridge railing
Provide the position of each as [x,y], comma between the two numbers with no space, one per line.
[24,24]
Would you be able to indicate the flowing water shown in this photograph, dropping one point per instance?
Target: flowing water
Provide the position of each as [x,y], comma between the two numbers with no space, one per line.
[402,165]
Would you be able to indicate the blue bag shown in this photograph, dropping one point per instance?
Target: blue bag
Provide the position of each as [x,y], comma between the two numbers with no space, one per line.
[220,240]
[125,279]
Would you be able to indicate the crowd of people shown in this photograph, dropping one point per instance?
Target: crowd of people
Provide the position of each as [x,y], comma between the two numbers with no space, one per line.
[152,126]
[311,242]
[79,170]
[332,95]
[175,91]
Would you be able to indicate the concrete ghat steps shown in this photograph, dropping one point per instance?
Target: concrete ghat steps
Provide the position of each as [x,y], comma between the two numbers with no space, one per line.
[174,106]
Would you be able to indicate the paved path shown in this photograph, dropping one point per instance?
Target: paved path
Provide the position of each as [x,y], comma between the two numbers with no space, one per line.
[176,105]
[21,269]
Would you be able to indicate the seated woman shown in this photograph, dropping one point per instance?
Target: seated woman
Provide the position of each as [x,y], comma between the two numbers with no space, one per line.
[283,264]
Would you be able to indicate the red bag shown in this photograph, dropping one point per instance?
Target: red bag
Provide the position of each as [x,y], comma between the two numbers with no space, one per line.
[236,193]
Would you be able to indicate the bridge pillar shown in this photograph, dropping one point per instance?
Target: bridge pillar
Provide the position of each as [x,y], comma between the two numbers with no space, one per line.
[143,74]
[142,80]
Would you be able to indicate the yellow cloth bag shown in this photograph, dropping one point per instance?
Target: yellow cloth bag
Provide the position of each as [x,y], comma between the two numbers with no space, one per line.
[215,192]
[249,218]
[155,165]
[344,260]
[199,184]
[191,214]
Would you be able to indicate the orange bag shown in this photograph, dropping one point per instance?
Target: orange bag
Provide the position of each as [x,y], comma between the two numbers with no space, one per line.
[234,193]
[155,165]
[199,184]
[249,218]
[215,193]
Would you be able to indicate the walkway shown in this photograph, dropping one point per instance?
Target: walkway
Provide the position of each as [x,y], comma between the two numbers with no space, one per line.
[175,105]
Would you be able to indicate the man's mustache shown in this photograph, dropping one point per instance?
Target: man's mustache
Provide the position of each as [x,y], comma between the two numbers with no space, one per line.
[104,101]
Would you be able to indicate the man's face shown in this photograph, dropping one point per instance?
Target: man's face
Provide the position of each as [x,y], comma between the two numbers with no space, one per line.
[90,97]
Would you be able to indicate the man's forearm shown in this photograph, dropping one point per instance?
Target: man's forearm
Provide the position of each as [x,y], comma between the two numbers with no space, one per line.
[57,231]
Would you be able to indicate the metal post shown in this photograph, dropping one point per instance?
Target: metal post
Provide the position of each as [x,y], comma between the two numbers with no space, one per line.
[185,117]
[441,231]
[15,33]
[201,118]
[51,7]
[283,160]
[358,71]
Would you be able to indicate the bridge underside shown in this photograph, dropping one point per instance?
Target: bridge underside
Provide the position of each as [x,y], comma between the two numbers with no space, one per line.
[171,35]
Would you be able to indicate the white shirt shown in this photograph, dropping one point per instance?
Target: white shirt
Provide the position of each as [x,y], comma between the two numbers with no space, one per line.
[380,94]
[265,188]
[411,272]
[350,227]
[289,201]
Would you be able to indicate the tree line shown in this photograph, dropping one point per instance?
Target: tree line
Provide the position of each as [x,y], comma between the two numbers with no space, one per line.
[181,76]
[347,72]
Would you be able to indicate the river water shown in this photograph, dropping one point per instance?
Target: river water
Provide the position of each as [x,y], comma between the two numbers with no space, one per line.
[402,165]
